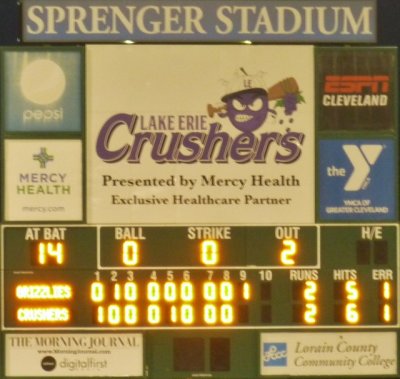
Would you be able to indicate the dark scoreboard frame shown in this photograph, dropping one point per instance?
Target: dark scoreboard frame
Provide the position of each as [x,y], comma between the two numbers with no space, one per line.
[226,351]
[267,281]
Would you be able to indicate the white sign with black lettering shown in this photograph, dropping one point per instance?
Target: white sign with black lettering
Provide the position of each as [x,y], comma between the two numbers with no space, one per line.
[344,354]
[188,134]
[70,355]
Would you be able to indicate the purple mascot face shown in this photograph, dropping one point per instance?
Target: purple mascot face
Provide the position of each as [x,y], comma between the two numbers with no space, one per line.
[247,109]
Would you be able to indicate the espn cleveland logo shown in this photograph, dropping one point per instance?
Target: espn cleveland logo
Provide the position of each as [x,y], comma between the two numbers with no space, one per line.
[356,91]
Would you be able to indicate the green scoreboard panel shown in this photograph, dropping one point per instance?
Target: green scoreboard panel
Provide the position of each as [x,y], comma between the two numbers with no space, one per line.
[251,277]
[159,224]
[200,297]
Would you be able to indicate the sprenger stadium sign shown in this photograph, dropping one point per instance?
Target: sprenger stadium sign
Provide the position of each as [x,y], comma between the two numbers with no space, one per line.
[197,20]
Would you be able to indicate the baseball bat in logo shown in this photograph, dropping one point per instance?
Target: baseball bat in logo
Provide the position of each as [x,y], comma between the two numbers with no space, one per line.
[362,159]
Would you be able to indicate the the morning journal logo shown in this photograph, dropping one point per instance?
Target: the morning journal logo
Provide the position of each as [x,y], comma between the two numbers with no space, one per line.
[356,91]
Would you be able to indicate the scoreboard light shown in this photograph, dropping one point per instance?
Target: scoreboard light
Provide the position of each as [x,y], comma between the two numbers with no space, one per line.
[50,253]
[209,252]
[187,291]
[310,296]
[130,253]
[352,315]
[200,303]
[42,315]
[289,252]
[241,281]
[169,301]
[44,291]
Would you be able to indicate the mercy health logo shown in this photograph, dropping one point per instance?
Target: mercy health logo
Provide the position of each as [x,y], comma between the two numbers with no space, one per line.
[362,158]
[356,91]
[275,354]
[357,179]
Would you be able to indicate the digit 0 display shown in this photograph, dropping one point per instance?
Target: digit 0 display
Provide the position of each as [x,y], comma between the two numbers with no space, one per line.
[180,277]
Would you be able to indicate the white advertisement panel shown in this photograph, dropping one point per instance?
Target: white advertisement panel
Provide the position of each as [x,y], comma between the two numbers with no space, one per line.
[69,355]
[45,181]
[339,354]
[193,134]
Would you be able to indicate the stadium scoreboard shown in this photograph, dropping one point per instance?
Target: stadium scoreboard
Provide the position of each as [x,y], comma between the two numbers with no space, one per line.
[149,277]
[163,223]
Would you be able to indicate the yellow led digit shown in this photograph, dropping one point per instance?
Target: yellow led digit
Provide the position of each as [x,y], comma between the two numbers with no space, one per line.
[209,252]
[386,293]
[226,314]
[387,313]
[187,293]
[170,292]
[130,314]
[310,314]
[153,291]
[210,291]
[352,292]
[50,250]
[210,314]
[310,295]
[97,292]
[130,253]
[246,290]
[187,314]
[130,291]
[100,315]
[153,314]
[114,314]
[288,254]
[386,290]
[351,313]
[226,291]
[174,314]
[117,291]
[310,290]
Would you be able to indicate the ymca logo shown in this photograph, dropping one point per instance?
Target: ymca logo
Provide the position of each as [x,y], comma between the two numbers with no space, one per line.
[362,158]
[275,354]
[357,179]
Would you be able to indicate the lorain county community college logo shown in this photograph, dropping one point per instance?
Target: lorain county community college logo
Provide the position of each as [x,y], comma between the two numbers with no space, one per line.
[275,354]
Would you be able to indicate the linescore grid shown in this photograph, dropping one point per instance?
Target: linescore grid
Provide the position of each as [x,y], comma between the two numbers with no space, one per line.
[184,277]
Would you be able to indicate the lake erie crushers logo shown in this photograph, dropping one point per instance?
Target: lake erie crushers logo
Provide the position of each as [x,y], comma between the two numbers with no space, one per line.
[247,106]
